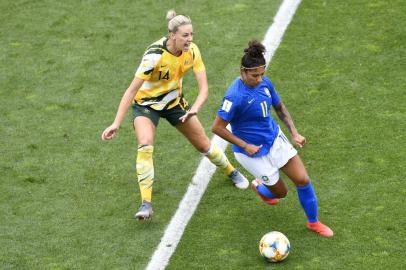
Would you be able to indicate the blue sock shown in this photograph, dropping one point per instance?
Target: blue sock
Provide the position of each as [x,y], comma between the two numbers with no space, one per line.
[264,191]
[308,200]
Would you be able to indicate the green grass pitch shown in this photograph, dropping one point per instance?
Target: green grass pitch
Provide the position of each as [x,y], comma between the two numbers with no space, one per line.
[67,199]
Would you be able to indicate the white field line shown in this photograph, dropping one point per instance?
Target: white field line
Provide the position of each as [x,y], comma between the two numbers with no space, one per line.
[206,169]
[273,36]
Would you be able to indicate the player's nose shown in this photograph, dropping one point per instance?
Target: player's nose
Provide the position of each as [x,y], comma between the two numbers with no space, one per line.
[259,79]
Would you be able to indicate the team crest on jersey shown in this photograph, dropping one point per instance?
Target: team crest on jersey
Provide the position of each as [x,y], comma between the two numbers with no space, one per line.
[187,62]
[226,105]
[267,92]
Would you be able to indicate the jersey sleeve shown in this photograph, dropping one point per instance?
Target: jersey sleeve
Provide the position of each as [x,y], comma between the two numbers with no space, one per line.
[148,63]
[198,64]
[229,106]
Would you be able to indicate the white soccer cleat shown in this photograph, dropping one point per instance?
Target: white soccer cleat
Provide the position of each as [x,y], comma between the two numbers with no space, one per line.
[239,180]
[144,212]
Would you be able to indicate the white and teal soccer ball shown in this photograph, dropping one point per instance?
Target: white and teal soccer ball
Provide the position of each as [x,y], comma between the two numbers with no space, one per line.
[274,246]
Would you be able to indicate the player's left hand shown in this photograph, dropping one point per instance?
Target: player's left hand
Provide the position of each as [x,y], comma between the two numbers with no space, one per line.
[299,140]
[187,115]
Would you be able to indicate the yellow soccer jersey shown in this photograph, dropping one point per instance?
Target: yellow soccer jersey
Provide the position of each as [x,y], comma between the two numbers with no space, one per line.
[162,73]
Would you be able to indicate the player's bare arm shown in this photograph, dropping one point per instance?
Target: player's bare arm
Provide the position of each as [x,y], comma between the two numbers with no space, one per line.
[219,128]
[125,103]
[284,115]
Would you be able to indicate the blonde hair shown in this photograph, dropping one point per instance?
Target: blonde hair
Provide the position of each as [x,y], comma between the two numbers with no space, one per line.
[175,21]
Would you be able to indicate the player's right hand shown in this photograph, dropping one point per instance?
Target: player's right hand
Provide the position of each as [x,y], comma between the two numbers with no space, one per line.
[109,133]
[252,149]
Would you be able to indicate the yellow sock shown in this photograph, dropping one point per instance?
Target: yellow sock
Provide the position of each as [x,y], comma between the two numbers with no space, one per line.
[145,171]
[218,158]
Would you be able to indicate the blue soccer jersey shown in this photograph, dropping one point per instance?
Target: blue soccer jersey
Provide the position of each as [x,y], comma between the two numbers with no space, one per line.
[247,109]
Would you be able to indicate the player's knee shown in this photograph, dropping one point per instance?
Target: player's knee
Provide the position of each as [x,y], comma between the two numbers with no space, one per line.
[282,193]
[145,141]
[302,181]
[202,148]
[280,189]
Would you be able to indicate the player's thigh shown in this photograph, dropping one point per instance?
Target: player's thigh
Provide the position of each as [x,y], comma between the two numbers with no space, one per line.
[296,171]
[193,130]
[144,130]
[145,121]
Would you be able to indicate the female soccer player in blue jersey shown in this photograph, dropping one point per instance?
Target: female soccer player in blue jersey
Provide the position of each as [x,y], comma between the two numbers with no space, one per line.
[258,142]
[156,92]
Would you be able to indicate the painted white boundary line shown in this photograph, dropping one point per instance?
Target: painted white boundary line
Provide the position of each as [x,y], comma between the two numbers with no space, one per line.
[273,36]
[206,169]
[186,208]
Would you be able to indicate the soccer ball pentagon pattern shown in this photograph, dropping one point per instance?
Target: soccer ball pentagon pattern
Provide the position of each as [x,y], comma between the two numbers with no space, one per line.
[274,246]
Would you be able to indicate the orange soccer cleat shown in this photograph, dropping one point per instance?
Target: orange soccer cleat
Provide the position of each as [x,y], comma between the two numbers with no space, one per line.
[320,228]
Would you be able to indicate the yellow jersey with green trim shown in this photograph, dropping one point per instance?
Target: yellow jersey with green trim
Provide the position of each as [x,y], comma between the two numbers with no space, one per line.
[162,73]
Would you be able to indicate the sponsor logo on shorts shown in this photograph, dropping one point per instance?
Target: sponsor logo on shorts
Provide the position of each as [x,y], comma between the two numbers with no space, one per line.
[265,178]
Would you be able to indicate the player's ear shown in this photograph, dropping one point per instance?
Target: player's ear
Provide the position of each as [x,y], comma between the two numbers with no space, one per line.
[242,73]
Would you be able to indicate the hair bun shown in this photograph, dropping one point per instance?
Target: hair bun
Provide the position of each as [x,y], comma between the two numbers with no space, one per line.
[170,14]
[255,49]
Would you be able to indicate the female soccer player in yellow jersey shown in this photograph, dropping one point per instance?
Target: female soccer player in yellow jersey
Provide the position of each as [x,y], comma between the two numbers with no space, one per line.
[155,92]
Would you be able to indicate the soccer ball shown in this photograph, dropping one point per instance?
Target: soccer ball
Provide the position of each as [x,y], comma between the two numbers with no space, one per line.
[274,246]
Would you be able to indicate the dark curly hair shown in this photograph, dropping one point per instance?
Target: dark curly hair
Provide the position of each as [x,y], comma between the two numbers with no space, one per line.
[253,55]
